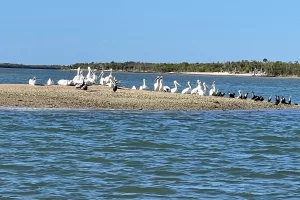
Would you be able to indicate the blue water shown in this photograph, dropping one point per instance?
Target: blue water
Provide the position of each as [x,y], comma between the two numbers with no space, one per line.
[126,154]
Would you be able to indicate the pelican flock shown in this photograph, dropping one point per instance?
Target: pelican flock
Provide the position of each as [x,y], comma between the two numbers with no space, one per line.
[82,82]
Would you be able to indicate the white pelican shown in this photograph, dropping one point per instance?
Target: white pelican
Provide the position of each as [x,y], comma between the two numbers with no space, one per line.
[65,82]
[213,89]
[32,81]
[50,82]
[187,90]
[144,86]
[133,87]
[156,84]
[196,89]
[79,77]
[111,83]
[102,80]
[108,78]
[161,85]
[91,79]
[204,88]
[172,90]
[200,90]
[89,74]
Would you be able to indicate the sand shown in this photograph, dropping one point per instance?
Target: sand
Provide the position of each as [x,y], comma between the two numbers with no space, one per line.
[103,97]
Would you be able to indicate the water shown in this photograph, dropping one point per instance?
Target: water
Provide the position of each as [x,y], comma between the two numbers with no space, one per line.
[126,154]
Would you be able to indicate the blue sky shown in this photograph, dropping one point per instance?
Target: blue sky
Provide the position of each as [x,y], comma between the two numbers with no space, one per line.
[71,31]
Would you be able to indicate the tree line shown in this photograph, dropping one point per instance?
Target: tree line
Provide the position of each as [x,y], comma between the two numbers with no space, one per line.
[265,67]
[13,65]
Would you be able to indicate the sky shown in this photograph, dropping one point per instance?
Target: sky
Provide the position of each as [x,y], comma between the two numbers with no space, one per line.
[162,31]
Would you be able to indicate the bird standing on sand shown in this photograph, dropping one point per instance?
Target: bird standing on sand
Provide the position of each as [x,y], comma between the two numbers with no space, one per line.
[277,100]
[290,100]
[84,87]
[115,88]
[270,98]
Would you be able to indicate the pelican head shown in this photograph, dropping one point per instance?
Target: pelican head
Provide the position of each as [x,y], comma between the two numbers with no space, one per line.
[176,83]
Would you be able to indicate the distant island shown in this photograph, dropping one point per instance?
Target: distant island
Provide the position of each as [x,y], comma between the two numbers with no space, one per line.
[13,65]
[262,68]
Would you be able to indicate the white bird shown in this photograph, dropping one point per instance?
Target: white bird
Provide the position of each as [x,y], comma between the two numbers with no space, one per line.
[144,86]
[32,81]
[65,82]
[102,80]
[111,83]
[187,90]
[156,84]
[175,88]
[89,74]
[133,87]
[50,82]
[200,90]
[91,78]
[108,78]
[204,88]
[172,90]
[161,85]
[196,89]
[79,77]
[213,89]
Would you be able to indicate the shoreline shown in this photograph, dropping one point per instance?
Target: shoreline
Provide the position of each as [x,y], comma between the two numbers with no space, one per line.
[223,74]
[102,97]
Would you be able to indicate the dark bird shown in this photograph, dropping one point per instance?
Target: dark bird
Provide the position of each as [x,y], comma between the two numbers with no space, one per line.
[115,88]
[257,98]
[270,98]
[290,100]
[80,85]
[261,98]
[254,96]
[221,94]
[84,87]
[240,94]
[283,100]
[277,100]
[245,96]
[218,94]
[231,95]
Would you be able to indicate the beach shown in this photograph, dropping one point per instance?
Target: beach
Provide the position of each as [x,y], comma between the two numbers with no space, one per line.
[103,97]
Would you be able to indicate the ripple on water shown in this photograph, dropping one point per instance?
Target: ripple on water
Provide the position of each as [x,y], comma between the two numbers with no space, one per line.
[138,154]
